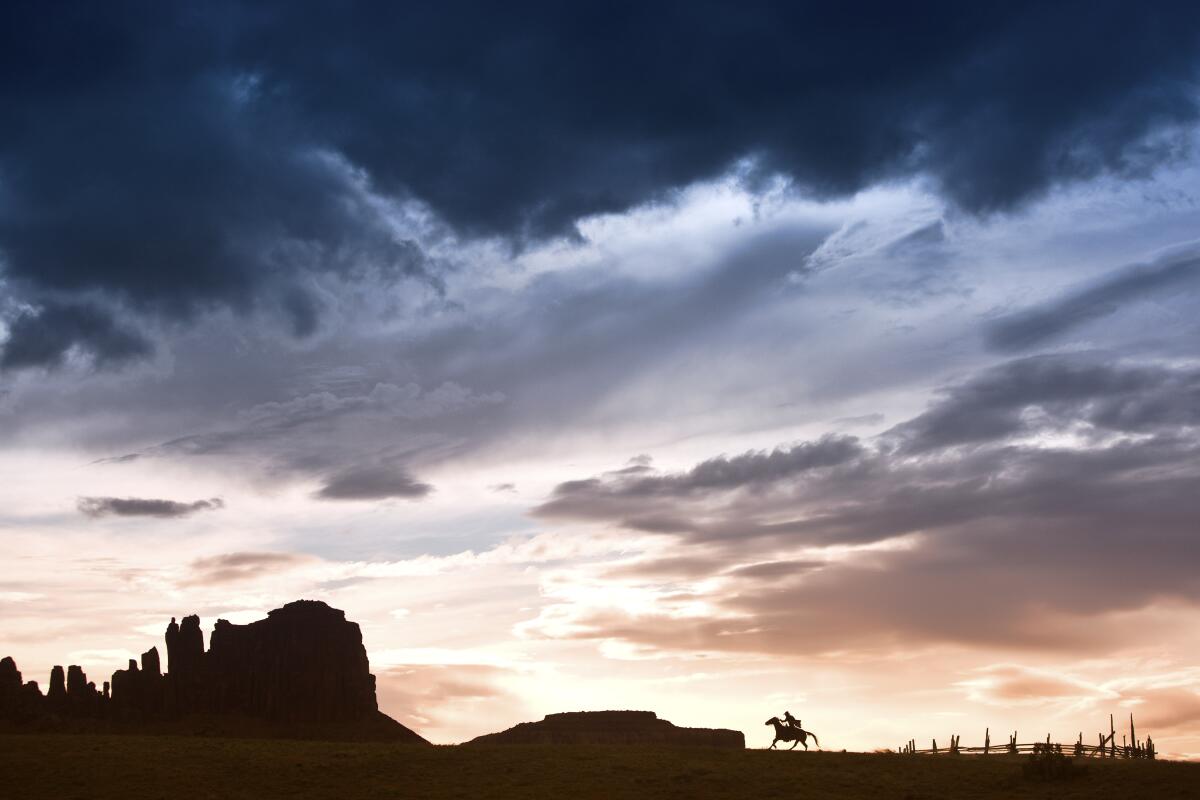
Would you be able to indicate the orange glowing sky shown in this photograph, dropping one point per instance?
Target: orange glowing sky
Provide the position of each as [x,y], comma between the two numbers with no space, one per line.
[863,385]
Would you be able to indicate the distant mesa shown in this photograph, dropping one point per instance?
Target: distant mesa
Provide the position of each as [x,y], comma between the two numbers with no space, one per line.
[302,671]
[612,727]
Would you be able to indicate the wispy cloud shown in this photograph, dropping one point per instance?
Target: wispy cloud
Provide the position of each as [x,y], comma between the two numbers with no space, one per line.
[1074,309]
[144,507]
[242,566]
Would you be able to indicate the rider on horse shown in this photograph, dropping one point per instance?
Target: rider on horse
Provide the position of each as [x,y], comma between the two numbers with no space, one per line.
[788,730]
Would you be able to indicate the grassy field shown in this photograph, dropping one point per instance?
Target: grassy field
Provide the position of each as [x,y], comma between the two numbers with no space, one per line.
[197,768]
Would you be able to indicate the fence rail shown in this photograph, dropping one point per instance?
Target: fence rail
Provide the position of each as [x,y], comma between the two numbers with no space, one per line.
[1106,746]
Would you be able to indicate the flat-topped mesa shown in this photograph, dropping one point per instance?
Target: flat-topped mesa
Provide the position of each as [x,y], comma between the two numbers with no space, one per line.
[611,727]
[304,663]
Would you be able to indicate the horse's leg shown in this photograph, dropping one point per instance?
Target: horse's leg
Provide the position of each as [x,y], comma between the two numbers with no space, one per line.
[805,745]
[794,743]
[772,747]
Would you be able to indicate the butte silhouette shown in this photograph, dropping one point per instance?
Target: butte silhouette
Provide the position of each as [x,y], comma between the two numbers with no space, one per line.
[301,672]
[611,727]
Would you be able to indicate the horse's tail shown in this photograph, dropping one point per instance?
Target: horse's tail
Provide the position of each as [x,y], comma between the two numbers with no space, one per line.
[815,739]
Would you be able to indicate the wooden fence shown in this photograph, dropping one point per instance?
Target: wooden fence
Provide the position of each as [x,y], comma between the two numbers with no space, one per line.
[1106,746]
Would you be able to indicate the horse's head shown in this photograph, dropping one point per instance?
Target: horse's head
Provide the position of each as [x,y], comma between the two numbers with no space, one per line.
[772,721]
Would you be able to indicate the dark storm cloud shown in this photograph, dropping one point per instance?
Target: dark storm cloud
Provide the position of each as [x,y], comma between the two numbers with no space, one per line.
[144,507]
[136,163]
[46,337]
[1043,323]
[373,482]
[175,158]
[1013,540]
[541,113]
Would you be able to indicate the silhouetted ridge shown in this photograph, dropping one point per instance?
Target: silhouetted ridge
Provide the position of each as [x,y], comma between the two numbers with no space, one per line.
[302,669]
[611,727]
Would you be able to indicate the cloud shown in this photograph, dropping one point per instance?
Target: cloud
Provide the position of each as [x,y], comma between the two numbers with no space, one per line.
[1175,708]
[241,566]
[188,193]
[602,497]
[1165,702]
[670,567]
[1041,393]
[45,337]
[285,428]
[1013,684]
[144,507]
[223,167]
[372,482]
[450,702]
[955,94]
[1046,322]
[996,518]
[771,570]
[546,354]
[919,241]
[329,434]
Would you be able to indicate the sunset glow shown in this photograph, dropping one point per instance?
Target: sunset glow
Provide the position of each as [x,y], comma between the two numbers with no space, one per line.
[579,392]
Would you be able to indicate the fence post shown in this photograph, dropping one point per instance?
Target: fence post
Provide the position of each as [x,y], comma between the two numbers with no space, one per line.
[987,740]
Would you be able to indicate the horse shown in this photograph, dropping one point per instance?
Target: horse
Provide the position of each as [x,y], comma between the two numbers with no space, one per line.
[786,733]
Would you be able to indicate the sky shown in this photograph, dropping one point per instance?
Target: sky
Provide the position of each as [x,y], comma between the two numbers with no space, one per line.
[711,359]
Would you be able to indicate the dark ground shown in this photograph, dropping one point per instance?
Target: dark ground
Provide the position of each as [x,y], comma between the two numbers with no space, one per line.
[200,768]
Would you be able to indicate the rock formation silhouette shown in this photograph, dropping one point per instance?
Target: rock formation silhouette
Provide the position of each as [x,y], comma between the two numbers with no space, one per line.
[303,669]
[611,727]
